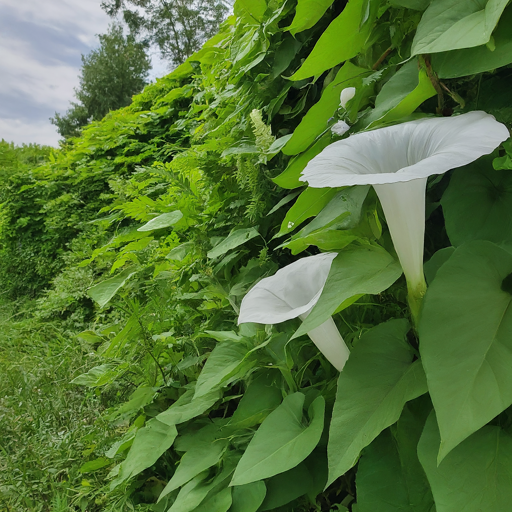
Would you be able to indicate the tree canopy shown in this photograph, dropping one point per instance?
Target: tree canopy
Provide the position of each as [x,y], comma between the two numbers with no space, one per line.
[109,77]
[177,27]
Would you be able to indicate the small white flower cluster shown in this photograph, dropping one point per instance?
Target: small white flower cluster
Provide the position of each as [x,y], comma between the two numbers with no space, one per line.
[341,127]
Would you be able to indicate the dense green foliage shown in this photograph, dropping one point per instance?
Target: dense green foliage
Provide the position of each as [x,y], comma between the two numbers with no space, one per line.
[147,231]
[109,77]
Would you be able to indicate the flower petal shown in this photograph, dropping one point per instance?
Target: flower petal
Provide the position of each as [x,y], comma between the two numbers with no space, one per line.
[290,292]
[340,128]
[346,95]
[407,151]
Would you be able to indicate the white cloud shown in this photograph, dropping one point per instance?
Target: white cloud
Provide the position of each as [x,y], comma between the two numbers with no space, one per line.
[40,48]
[21,132]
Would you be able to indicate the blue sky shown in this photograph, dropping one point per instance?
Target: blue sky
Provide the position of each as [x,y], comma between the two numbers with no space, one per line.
[40,47]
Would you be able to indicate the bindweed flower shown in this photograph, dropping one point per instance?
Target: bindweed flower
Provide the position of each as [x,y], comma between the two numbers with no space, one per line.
[292,292]
[397,161]
[346,95]
[340,128]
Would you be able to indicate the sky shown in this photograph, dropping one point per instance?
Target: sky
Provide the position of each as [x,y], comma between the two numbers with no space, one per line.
[41,42]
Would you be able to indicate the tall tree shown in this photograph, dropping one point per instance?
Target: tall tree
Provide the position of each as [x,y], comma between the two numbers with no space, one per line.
[177,27]
[109,77]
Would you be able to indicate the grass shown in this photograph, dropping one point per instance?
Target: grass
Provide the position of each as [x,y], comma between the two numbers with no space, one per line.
[47,425]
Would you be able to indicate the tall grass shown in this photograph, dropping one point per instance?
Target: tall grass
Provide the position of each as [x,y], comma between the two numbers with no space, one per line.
[45,422]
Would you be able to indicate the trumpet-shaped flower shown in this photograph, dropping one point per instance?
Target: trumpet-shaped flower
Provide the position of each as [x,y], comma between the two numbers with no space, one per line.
[292,292]
[346,95]
[397,161]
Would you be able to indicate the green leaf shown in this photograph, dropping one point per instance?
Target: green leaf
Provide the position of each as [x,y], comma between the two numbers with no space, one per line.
[180,252]
[259,400]
[94,465]
[194,492]
[326,240]
[477,205]
[290,197]
[162,221]
[254,8]
[219,502]
[475,476]
[466,340]
[436,262]
[317,117]
[149,444]
[376,382]
[308,204]
[98,376]
[405,91]
[224,362]
[358,270]
[282,441]
[471,61]
[289,178]
[188,407]
[200,458]
[286,487]
[248,497]
[103,292]
[389,476]
[307,14]
[233,240]
[453,24]
[141,397]
[343,39]
[417,5]
[342,212]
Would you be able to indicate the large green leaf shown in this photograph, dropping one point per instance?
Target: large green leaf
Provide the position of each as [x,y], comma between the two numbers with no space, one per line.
[103,292]
[343,39]
[289,178]
[219,502]
[308,204]
[307,13]
[466,340]
[453,24]
[188,407]
[200,458]
[282,441]
[198,490]
[254,8]
[162,221]
[476,476]
[405,91]
[259,400]
[233,240]
[355,271]
[376,382]
[286,487]
[224,361]
[389,475]
[248,497]
[149,444]
[482,58]
[342,213]
[418,5]
[477,204]
[315,121]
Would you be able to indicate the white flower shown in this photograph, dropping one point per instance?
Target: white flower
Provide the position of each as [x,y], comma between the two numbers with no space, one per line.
[340,128]
[346,95]
[292,292]
[397,161]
